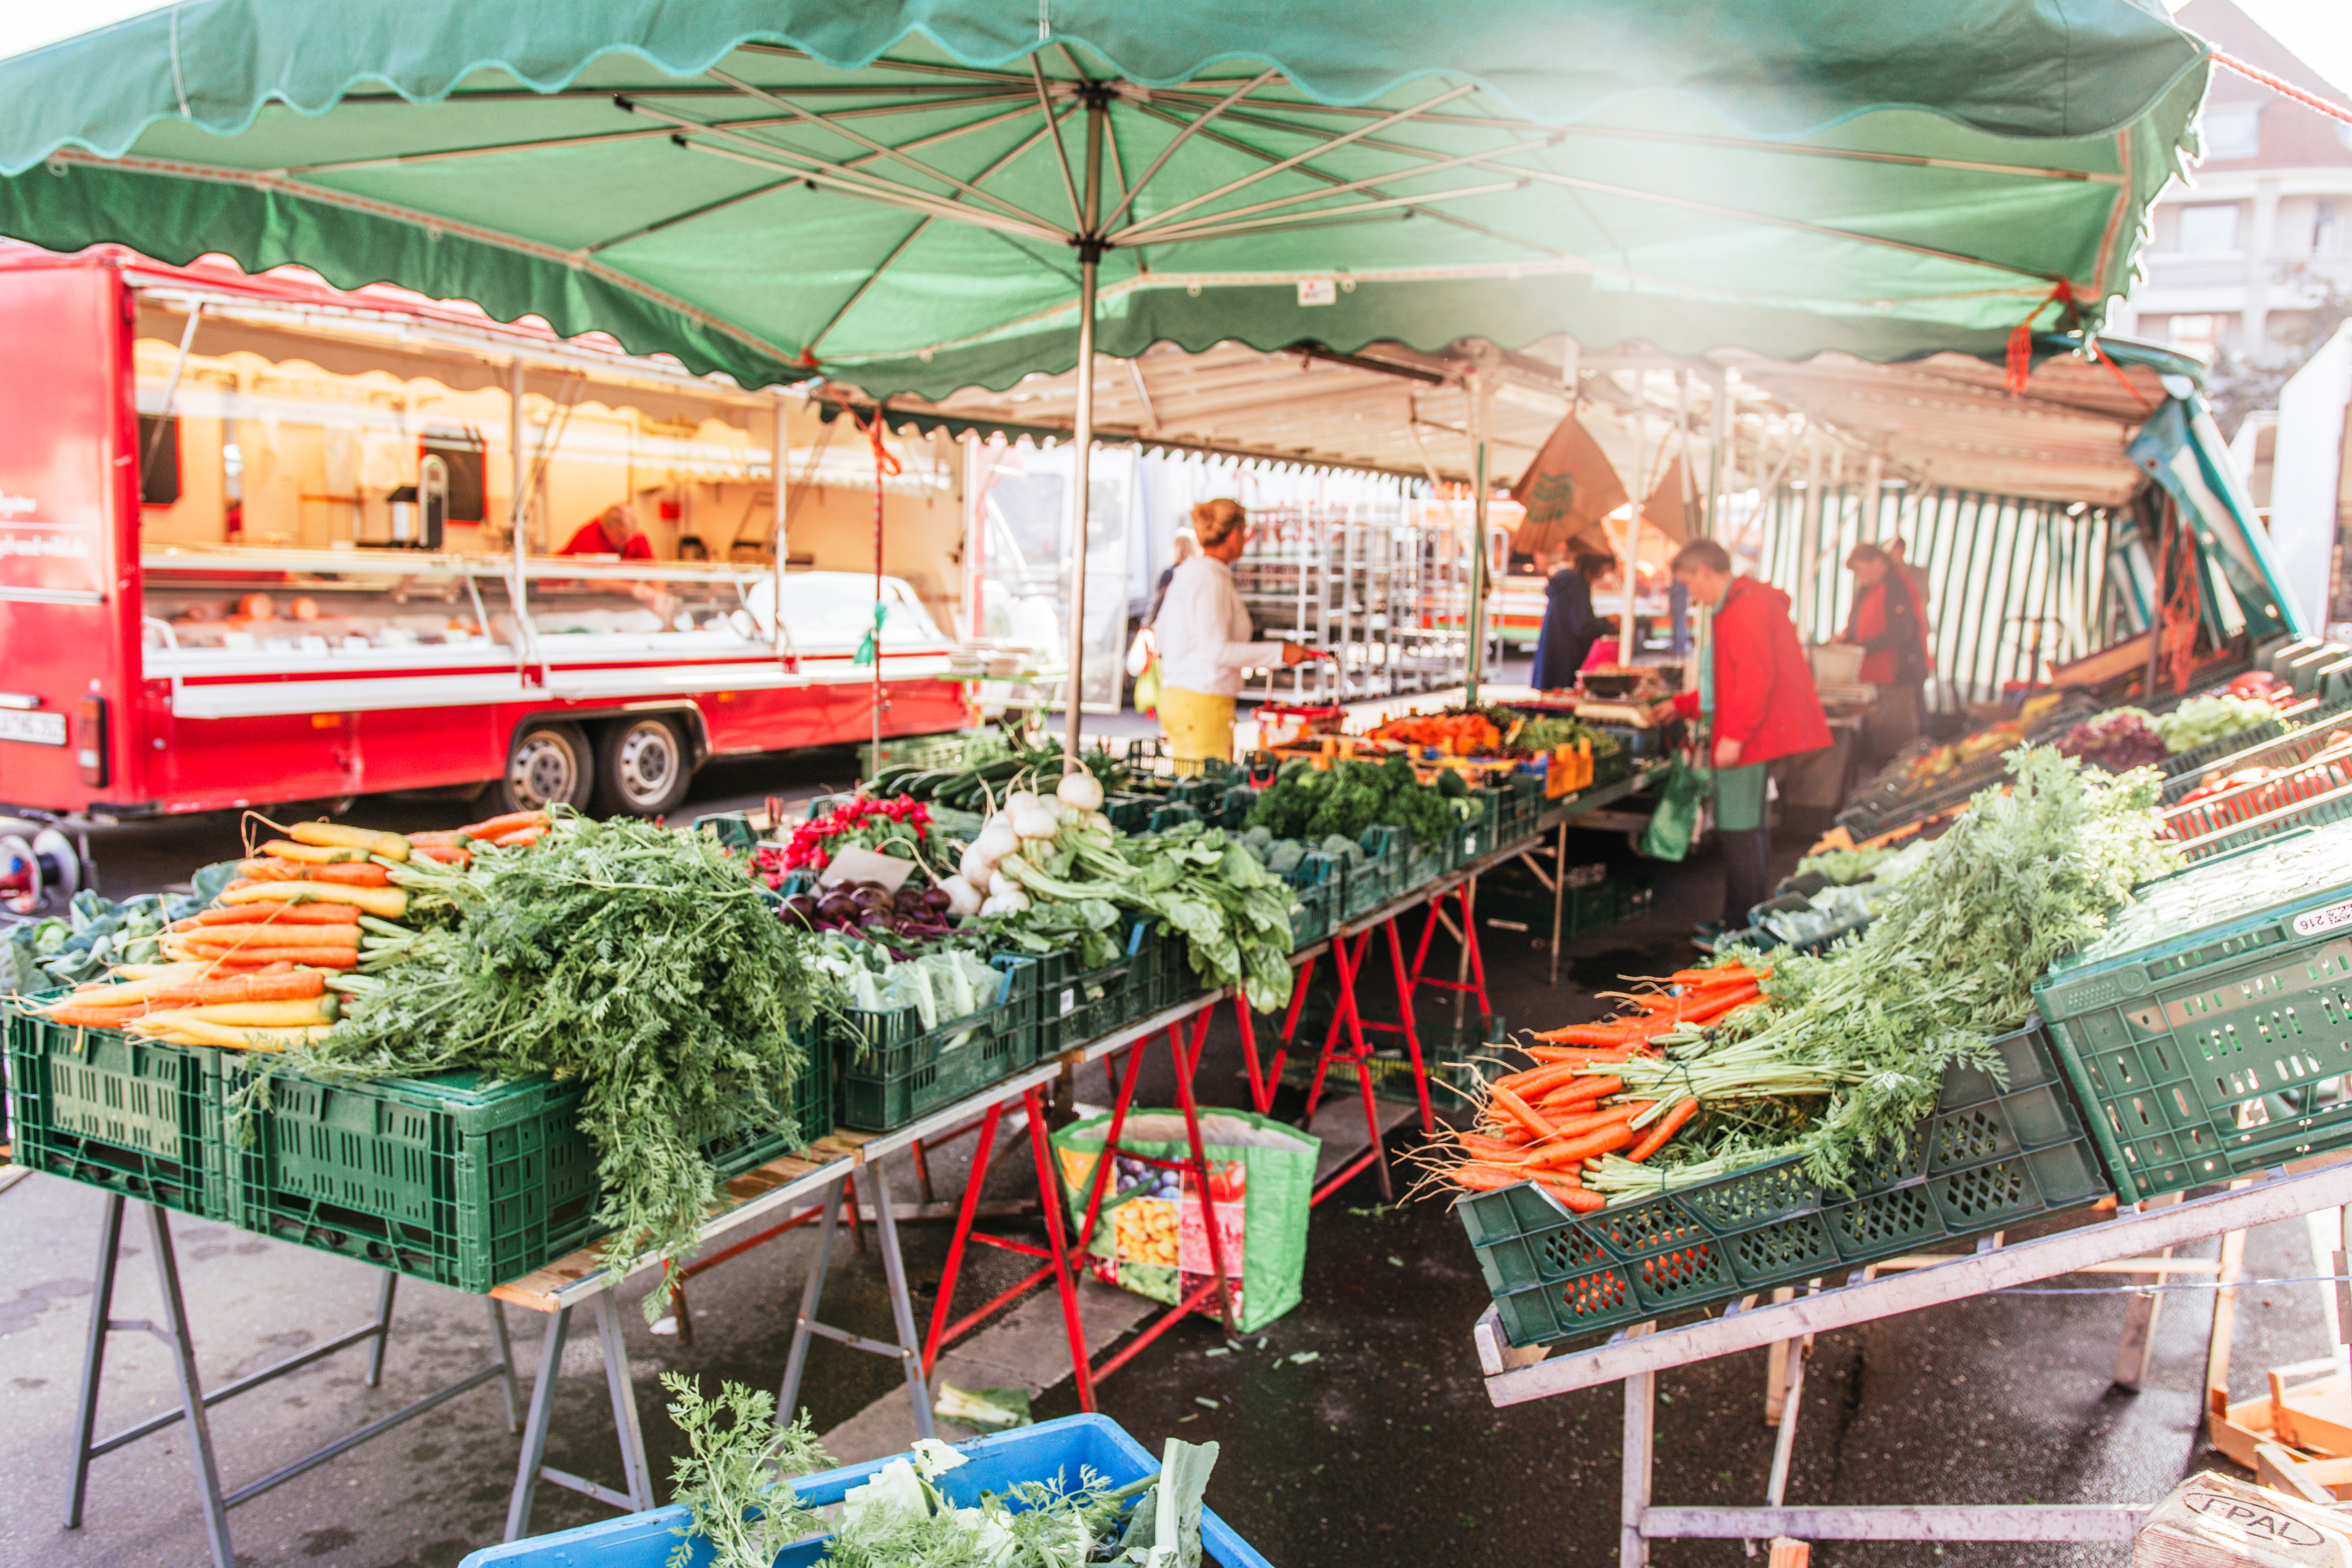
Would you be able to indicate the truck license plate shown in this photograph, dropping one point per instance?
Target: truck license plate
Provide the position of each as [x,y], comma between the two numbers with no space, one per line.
[38,728]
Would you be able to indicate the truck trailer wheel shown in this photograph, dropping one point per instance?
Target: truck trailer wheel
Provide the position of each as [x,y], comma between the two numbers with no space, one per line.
[549,762]
[643,766]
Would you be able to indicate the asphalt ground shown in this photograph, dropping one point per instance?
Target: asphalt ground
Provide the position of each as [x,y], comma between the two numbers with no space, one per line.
[1381,1451]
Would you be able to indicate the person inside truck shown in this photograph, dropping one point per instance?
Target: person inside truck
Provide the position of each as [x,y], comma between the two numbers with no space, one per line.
[613,531]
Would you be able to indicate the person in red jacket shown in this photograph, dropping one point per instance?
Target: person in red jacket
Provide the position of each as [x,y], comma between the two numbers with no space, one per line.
[1885,624]
[1765,709]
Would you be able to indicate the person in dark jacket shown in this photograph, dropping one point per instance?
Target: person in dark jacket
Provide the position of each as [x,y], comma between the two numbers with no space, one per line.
[1764,709]
[1570,626]
[1885,624]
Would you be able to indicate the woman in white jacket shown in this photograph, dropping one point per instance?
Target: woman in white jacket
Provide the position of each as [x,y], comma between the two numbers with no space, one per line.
[1203,634]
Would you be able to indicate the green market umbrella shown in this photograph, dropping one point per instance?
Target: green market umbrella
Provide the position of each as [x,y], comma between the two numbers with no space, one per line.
[918,195]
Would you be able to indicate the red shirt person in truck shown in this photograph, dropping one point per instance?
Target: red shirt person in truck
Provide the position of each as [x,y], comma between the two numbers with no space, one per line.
[613,531]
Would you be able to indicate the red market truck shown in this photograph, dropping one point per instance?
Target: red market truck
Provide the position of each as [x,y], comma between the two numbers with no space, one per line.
[261,541]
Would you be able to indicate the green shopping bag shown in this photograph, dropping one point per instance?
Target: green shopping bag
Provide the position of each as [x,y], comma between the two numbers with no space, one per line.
[1675,822]
[1151,1237]
[1147,687]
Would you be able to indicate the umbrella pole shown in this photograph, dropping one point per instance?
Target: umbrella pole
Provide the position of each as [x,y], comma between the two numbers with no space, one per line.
[1474,623]
[1083,434]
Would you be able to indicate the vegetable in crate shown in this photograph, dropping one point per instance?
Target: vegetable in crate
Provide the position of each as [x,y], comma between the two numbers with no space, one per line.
[898,826]
[909,917]
[2118,741]
[1849,1056]
[638,961]
[1344,800]
[736,1479]
[2201,720]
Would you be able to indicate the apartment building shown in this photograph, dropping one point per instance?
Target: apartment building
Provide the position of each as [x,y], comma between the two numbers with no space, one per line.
[2242,253]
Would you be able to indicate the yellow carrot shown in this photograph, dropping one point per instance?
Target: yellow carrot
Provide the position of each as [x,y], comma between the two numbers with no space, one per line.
[316,853]
[388,903]
[335,836]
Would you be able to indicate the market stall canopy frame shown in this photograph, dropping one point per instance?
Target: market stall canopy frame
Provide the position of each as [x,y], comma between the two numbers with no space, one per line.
[891,192]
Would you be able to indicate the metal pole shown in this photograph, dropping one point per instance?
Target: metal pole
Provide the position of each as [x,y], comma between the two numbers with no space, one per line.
[1474,621]
[1719,467]
[517,467]
[1083,434]
[778,453]
[1633,523]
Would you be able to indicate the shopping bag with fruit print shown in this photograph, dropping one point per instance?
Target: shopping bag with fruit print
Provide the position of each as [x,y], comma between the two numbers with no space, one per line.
[1151,1236]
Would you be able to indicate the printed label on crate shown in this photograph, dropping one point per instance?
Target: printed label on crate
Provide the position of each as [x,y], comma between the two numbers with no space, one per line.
[2333,918]
[1069,1000]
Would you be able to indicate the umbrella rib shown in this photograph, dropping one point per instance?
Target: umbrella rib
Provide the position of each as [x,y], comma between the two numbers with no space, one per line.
[1061,153]
[1576,181]
[1260,153]
[1189,129]
[880,149]
[872,278]
[1216,227]
[555,144]
[705,210]
[882,192]
[1679,138]
[1146,235]
[913,68]
[1396,118]
[916,233]
[840,175]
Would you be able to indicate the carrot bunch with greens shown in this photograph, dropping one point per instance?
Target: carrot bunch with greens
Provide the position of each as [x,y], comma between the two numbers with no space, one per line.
[183,1003]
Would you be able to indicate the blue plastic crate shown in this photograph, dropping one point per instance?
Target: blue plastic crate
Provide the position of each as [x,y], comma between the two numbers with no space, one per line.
[1044,1452]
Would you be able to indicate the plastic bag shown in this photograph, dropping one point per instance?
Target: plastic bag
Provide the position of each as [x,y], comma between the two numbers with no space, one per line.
[1674,823]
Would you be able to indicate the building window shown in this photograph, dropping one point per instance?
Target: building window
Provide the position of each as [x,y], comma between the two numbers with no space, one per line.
[2194,334]
[2327,228]
[2233,133]
[2209,229]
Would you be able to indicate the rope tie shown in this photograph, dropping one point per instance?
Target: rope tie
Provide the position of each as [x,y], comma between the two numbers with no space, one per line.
[2021,336]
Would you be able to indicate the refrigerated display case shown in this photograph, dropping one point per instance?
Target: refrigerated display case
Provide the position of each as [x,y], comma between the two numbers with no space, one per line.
[214,496]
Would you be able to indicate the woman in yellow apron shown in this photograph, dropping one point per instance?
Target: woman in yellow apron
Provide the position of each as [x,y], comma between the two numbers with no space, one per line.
[1203,634]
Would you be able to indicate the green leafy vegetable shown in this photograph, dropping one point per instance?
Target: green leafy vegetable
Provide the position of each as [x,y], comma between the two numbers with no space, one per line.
[639,961]
[736,1475]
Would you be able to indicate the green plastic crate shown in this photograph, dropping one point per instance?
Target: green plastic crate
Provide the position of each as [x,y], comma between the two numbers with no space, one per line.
[2209,1032]
[1233,806]
[952,748]
[1376,879]
[1176,813]
[893,1070]
[1075,1006]
[1170,967]
[1318,882]
[1986,1159]
[1421,866]
[134,1116]
[454,1179]
[1476,837]
[1518,807]
[1130,813]
[457,1179]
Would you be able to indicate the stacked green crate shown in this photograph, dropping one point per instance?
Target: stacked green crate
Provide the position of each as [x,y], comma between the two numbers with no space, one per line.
[896,1067]
[2209,1031]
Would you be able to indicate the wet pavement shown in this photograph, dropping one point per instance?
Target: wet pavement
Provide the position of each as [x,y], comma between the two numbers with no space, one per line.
[1381,1451]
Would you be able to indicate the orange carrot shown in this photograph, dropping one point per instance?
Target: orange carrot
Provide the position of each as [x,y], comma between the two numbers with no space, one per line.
[448,853]
[317,957]
[521,839]
[265,934]
[1519,1110]
[1656,1139]
[1481,1178]
[494,827]
[1575,1199]
[1599,1141]
[96,1018]
[1493,1150]
[279,913]
[1580,1056]
[1539,1080]
[1617,1036]
[439,838]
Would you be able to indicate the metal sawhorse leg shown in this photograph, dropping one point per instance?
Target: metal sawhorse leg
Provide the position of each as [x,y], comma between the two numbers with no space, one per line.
[908,1352]
[194,1401]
